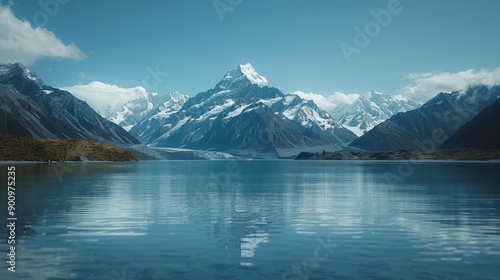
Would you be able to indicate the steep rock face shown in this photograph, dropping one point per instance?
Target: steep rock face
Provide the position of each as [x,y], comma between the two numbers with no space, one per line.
[236,113]
[369,110]
[430,125]
[482,132]
[32,109]
[21,116]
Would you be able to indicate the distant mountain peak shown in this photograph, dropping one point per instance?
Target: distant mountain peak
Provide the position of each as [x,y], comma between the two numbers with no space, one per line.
[369,110]
[152,104]
[175,95]
[241,76]
[374,94]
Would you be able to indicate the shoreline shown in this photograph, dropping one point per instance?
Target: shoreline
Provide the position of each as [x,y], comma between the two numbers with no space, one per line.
[465,154]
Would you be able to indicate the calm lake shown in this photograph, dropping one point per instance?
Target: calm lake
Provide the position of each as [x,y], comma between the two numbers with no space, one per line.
[255,220]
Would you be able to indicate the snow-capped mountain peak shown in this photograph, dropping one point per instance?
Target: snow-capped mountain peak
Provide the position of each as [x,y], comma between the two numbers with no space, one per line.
[253,76]
[177,97]
[243,75]
[372,93]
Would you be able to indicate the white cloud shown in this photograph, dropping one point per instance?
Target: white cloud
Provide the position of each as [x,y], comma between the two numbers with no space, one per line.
[20,42]
[328,103]
[424,86]
[104,98]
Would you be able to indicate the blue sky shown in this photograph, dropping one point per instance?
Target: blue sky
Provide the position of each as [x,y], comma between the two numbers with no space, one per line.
[295,44]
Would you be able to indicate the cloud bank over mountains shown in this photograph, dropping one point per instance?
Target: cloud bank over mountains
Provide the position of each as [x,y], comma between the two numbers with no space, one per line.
[329,102]
[421,87]
[105,98]
[424,86]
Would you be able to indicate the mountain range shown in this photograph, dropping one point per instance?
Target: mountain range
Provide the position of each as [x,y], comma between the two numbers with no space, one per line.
[430,125]
[244,115]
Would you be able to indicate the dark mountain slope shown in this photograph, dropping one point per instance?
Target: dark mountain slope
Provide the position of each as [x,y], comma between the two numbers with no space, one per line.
[32,109]
[481,132]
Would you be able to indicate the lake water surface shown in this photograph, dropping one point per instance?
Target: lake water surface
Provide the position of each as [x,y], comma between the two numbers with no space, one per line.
[255,220]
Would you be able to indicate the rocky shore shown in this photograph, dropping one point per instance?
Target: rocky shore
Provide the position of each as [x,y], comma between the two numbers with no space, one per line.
[455,154]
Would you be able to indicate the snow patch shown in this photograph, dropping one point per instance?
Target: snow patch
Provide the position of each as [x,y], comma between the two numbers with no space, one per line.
[128,127]
[269,102]
[216,110]
[237,112]
[176,127]
[289,99]
[291,113]
[212,97]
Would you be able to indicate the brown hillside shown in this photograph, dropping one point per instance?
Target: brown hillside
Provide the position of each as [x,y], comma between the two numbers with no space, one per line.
[27,149]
